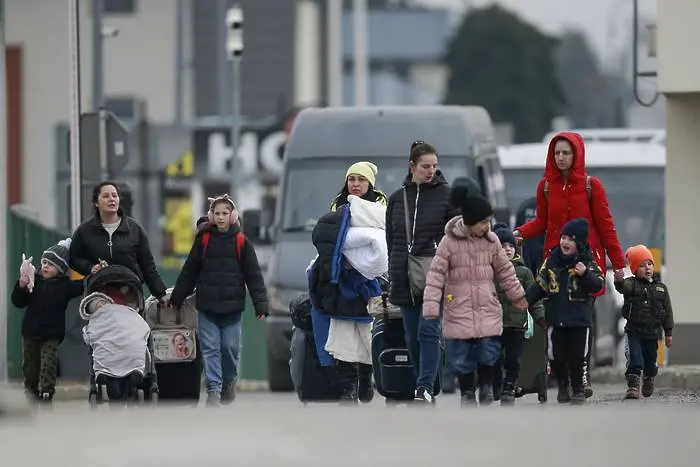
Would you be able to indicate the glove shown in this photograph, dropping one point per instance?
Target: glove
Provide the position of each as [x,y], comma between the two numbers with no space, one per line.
[26,272]
[261,314]
[542,323]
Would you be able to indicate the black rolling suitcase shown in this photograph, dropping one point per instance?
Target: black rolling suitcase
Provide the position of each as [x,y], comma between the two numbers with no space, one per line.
[534,369]
[313,382]
[393,370]
[178,360]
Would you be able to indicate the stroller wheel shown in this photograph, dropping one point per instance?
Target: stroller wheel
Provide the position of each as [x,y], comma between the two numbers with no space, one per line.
[154,397]
[140,396]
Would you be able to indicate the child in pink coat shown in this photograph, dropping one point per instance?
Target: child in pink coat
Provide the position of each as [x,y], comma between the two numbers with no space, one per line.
[461,277]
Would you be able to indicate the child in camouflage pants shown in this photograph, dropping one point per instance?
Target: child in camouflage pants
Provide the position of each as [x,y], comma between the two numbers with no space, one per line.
[45,295]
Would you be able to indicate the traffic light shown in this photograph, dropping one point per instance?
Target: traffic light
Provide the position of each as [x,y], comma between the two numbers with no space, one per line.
[234,41]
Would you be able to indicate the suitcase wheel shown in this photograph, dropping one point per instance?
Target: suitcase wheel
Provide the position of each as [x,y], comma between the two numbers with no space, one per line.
[542,387]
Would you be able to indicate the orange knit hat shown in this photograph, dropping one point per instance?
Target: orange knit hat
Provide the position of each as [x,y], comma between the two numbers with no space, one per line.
[636,255]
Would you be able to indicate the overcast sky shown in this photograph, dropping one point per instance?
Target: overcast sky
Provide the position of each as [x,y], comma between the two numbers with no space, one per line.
[595,17]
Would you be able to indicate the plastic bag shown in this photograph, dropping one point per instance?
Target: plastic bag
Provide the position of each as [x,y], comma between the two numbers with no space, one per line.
[530,327]
[27,271]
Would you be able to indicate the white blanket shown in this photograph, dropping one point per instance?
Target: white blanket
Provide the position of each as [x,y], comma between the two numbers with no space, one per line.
[349,341]
[118,336]
[365,243]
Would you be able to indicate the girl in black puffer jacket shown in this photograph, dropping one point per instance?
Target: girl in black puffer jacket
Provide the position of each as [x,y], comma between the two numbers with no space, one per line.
[220,265]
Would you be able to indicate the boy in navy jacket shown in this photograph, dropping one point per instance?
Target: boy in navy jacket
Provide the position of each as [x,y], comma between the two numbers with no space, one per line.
[567,281]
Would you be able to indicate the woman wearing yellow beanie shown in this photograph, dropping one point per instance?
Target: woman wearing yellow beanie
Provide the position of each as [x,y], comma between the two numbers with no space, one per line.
[360,180]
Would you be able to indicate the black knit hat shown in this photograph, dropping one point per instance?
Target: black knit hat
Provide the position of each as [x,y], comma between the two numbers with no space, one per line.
[504,235]
[58,255]
[475,208]
[578,230]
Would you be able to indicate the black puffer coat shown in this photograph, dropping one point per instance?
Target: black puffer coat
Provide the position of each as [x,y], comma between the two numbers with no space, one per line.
[219,276]
[45,317]
[434,210]
[325,294]
[128,247]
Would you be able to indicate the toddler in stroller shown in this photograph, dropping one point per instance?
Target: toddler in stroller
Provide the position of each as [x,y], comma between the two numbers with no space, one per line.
[121,351]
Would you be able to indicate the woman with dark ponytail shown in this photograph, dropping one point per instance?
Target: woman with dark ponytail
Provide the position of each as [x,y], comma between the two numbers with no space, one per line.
[423,205]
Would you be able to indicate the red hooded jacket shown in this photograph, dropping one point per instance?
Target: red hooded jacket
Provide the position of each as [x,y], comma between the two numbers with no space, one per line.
[564,202]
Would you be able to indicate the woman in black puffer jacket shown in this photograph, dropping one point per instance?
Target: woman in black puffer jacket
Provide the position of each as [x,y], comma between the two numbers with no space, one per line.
[429,209]
[111,237]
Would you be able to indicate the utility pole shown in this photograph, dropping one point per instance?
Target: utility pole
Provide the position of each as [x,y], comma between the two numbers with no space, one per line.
[234,53]
[360,51]
[334,59]
[97,56]
[74,57]
[3,197]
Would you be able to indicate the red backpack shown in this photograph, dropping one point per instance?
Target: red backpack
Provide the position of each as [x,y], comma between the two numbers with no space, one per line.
[240,243]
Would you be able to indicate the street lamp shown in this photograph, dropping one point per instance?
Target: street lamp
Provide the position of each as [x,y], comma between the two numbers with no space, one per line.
[234,53]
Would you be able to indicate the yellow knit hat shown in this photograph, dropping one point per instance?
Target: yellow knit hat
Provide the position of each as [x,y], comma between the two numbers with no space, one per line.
[365,169]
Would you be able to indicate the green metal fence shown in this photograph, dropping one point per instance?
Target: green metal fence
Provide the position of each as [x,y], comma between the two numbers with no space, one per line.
[25,235]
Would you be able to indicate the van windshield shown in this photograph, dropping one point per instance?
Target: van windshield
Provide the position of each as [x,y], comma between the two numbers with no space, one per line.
[311,184]
[635,196]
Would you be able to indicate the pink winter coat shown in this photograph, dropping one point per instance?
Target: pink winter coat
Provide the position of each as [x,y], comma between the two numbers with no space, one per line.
[465,266]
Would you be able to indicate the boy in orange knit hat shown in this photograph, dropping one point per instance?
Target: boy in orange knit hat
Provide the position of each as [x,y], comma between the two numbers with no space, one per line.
[647,309]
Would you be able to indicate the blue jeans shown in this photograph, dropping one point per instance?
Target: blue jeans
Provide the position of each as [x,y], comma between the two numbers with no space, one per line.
[642,354]
[423,342]
[220,344]
[465,355]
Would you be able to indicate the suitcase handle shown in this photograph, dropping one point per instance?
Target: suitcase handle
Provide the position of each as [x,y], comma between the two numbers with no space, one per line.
[178,314]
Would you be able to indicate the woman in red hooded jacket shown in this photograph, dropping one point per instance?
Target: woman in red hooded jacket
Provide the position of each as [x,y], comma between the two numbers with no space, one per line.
[566,192]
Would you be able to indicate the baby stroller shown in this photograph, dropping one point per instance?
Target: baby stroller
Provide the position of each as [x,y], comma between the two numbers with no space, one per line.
[121,346]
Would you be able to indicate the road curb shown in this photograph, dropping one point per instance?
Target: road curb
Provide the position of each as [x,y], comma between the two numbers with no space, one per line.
[76,390]
[673,377]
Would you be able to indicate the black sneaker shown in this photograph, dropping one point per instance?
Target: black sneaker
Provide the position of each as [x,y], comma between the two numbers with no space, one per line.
[424,397]
[468,399]
[564,395]
[578,397]
[588,391]
[508,394]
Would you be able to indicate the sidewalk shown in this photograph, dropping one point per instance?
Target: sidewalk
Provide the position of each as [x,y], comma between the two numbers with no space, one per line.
[77,390]
[685,377]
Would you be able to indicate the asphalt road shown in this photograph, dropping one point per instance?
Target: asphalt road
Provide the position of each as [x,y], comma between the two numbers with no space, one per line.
[262,429]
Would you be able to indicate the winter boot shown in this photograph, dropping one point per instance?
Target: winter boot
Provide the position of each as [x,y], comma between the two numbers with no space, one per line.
[587,389]
[349,378]
[32,395]
[46,399]
[366,391]
[213,399]
[467,390]
[564,393]
[508,394]
[578,395]
[485,385]
[632,387]
[648,386]
[229,393]
[497,380]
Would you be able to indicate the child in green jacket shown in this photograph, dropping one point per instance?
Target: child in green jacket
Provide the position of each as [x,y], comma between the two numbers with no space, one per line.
[515,322]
